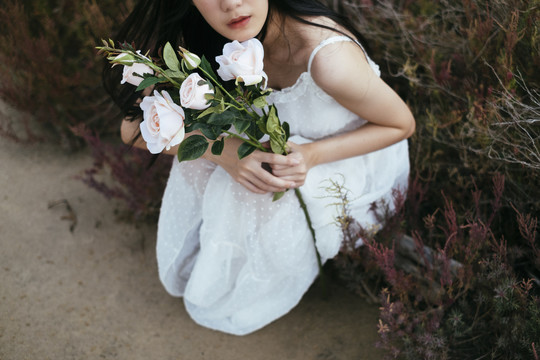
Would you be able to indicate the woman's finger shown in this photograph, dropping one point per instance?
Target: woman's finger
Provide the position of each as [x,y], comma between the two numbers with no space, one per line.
[251,187]
[275,159]
[251,172]
[260,187]
[270,182]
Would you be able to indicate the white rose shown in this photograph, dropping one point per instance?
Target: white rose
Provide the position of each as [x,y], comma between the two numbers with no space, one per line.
[243,62]
[163,124]
[128,76]
[193,91]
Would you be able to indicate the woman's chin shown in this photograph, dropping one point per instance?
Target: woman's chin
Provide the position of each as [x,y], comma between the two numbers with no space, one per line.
[241,36]
[241,39]
[249,31]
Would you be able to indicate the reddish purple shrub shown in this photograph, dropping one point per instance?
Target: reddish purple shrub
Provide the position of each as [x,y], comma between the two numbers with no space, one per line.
[131,175]
[450,298]
[50,69]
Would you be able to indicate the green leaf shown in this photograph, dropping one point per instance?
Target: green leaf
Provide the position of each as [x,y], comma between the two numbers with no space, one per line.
[218,95]
[208,111]
[205,65]
[261,124]
[278,195]
[149,81]
[266,91]
[210,132]
[217,147]
[189,117]
[245,149]
[277,145]
[192,148]
[255,131]
[176,75]
[260,102]
[272,124]
[222,106]
[171,60]
[287,130]
[241,125]
[225,118]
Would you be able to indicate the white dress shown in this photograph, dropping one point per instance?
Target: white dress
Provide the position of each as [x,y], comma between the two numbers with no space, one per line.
[241,261]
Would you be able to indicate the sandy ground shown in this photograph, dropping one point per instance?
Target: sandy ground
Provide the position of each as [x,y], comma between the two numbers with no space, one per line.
[94,293]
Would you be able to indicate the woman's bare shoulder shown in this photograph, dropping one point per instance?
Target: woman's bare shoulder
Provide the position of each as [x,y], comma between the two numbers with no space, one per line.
[339,63]
[324,29]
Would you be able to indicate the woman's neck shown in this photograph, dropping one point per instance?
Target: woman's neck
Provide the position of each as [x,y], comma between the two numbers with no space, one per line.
[275,33]
[288,44]
[284,60]
[284,39]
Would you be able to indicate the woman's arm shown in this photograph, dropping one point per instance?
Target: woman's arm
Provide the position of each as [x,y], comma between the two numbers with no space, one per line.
[247,171]
[343,72]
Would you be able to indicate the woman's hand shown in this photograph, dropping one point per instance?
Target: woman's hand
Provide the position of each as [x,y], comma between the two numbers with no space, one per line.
[298,171]
[249,171]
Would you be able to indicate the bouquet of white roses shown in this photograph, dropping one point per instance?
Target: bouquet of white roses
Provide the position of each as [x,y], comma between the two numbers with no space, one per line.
[201,101]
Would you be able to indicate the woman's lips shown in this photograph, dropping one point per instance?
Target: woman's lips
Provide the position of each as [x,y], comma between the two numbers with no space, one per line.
[238,22]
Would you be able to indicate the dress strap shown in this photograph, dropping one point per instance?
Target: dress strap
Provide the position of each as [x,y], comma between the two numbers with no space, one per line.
[331,40]
[335,39]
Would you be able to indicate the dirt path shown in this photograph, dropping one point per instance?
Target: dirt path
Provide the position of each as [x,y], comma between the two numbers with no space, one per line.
[94,293]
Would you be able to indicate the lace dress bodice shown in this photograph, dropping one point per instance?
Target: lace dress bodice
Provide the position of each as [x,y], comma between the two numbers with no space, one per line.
[304,104]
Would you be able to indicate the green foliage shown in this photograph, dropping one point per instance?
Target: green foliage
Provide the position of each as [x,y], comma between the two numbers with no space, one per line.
[192,148]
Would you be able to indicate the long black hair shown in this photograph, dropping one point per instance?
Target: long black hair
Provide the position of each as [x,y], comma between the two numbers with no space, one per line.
[153,23]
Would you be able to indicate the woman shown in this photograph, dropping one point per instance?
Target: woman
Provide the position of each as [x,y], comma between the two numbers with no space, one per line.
[240,260]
